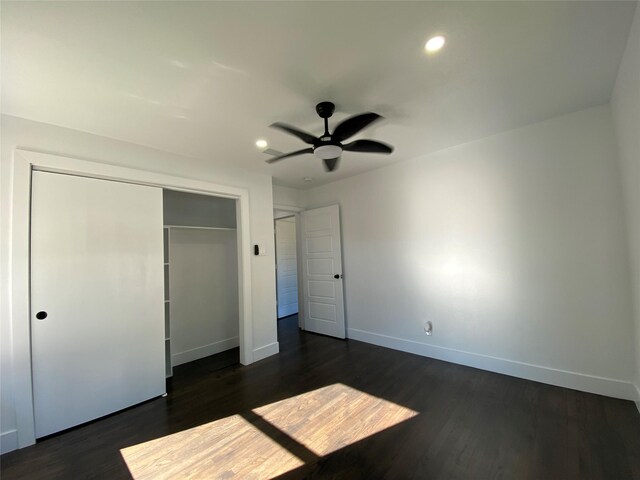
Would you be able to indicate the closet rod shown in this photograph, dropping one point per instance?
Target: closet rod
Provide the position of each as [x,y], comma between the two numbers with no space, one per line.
[200,228]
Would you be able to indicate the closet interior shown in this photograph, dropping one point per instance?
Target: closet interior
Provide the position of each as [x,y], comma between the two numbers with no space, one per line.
[200,277]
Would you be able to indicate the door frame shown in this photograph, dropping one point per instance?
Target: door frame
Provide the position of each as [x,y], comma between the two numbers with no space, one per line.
[26,161]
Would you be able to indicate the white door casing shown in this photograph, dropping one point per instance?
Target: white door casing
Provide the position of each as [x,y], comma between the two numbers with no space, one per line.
[322,271]
[287,268]
[97,271]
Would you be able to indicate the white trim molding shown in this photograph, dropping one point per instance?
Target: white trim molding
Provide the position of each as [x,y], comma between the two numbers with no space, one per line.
[8,441]
[24,162]
[561,378]
[637,397]
[266,351]
[203,351]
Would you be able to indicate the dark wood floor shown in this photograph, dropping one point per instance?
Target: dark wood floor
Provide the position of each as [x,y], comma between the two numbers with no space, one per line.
[468,424]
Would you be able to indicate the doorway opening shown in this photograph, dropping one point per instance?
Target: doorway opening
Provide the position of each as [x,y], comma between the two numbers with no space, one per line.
[286,266]
[318,268]
[201,281]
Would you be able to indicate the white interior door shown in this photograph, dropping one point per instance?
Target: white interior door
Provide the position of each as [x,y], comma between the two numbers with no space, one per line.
[322,271]
[287,266]
[97,272]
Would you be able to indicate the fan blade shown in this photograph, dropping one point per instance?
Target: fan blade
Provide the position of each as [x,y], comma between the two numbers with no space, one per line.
[330,164]
[291,154]
[353,125]
[304,136]
[368,146]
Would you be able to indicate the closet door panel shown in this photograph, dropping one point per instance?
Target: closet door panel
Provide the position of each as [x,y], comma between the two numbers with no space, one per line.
[97,272]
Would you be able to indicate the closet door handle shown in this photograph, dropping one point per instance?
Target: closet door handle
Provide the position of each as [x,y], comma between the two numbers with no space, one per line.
[41,315]
[337,275]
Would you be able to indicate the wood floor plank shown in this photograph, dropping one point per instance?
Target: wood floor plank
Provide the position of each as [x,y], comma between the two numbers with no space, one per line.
[328,408]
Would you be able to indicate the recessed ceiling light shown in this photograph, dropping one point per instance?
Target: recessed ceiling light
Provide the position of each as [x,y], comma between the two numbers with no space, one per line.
[307,179]
[434,44]
[261,143]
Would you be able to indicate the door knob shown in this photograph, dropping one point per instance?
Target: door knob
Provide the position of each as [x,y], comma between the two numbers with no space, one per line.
[337,275]
[41,315]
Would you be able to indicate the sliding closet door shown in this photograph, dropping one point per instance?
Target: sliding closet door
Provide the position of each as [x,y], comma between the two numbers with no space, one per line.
[97,326]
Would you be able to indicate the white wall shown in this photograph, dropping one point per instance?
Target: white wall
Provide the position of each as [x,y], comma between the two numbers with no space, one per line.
[23,133]
[286,197]
[183,208]
[203,293]
[513,246]
[625,105]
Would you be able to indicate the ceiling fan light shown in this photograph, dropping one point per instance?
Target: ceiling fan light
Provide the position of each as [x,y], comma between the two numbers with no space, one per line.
[327,151]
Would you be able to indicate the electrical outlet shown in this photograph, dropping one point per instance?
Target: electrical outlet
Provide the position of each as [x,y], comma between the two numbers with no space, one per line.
[428,328]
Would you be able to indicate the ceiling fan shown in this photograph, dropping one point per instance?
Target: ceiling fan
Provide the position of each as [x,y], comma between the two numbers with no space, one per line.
[329,146]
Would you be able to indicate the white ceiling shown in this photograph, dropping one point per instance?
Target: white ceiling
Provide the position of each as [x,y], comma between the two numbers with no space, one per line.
[206,79]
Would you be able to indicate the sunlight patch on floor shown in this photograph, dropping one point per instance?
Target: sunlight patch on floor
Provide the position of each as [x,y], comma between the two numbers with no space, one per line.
[227,448]
[333,417]
[268,441]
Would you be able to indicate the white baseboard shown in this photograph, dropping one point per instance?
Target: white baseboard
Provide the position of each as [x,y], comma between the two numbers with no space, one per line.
[8,441]
[638,397]
[266,351]
[562,378]
[204,351]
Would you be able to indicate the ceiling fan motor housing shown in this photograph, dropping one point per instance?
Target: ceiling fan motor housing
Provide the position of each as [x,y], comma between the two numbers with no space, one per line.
[326,148]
